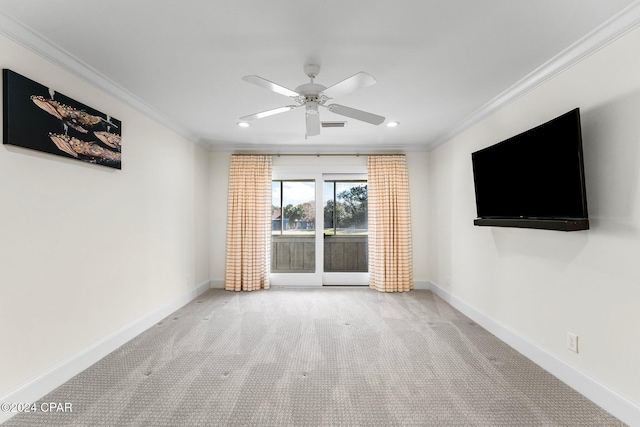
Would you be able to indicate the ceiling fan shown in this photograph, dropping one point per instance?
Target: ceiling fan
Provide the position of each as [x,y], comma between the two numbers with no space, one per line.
[312,95]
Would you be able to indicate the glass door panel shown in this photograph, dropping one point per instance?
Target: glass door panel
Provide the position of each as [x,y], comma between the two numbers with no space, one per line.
[345,227]
[293,227]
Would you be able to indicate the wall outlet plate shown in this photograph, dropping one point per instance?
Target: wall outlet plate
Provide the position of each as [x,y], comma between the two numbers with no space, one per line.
[572,341]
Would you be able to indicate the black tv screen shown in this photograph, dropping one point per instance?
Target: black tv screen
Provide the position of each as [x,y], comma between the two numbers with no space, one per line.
[534,179]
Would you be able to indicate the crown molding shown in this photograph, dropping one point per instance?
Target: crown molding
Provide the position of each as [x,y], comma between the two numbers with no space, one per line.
[37,43]
[617,26]
[220,146]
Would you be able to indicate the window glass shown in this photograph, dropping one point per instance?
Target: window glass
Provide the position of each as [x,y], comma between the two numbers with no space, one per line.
[345,226]
[345,207]
[293,223]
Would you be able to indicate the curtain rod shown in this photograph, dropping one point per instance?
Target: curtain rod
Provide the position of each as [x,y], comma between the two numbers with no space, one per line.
[320,154]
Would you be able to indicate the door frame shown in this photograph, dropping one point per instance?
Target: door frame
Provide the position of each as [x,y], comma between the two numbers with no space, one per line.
[302,279]
[318,174]
[342,278]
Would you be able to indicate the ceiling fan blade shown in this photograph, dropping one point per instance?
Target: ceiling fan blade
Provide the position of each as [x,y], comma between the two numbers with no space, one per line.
[374,119]
[269,112]
[313,124]
[270,85]
[350,84]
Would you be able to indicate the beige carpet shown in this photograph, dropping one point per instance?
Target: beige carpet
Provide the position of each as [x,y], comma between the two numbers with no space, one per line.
[317,357]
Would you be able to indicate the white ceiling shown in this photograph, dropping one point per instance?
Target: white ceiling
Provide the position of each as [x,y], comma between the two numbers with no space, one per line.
[439,65]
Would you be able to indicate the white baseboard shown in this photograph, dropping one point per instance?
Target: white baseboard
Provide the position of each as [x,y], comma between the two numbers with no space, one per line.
[611,401]
[37,387]
[43,383]
[421,284]
[217,283]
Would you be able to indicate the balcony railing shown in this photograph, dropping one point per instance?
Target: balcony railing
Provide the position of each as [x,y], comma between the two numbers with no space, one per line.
[293,254]
[345,254]
[296,254]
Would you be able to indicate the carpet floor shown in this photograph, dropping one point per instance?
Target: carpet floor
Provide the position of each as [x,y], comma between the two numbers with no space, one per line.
[317,357]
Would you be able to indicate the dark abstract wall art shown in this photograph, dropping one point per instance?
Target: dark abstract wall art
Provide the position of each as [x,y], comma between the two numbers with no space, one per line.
[42,119]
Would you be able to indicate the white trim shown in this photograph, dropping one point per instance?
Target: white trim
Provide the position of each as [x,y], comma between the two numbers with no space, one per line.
[296,280]
[345,279]
[319,173]
[284,172]
[346,176]
[421,284]
[37,43]
[37,387]
[275,149]
[617,26]
[319,230]
[217,284]
[610,400]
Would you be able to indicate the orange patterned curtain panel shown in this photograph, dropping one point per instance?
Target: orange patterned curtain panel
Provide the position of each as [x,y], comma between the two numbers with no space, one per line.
[248,260]
[390,254]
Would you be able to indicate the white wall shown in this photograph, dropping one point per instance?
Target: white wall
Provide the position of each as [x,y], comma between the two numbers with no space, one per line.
[219,188]
[541,284]
[417,164]
[86,249]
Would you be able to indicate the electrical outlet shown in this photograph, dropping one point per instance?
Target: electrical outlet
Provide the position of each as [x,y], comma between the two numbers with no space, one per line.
[572,342]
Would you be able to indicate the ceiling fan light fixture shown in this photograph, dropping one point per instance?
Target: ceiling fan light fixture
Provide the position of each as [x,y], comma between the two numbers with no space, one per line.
[393,124]
[243,124]
[311,107]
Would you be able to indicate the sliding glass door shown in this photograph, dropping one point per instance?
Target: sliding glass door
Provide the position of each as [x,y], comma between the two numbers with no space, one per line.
[327,249]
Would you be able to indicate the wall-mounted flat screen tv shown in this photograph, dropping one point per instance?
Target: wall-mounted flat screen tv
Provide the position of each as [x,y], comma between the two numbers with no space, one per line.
[534,179]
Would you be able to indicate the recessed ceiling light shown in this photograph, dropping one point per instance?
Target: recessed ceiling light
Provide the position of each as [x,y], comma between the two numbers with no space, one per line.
[243,124]
[392,124]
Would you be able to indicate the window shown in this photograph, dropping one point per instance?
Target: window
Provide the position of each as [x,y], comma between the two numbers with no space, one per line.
[298,217]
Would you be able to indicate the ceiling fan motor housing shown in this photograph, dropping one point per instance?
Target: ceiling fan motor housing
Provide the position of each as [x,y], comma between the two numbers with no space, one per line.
[310,89]
[311,92]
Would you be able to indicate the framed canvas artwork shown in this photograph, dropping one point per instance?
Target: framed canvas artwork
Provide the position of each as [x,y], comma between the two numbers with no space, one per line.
[42,119]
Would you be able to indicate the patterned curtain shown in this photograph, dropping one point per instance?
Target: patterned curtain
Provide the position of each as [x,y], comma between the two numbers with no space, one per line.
[390,255]
[248,260]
